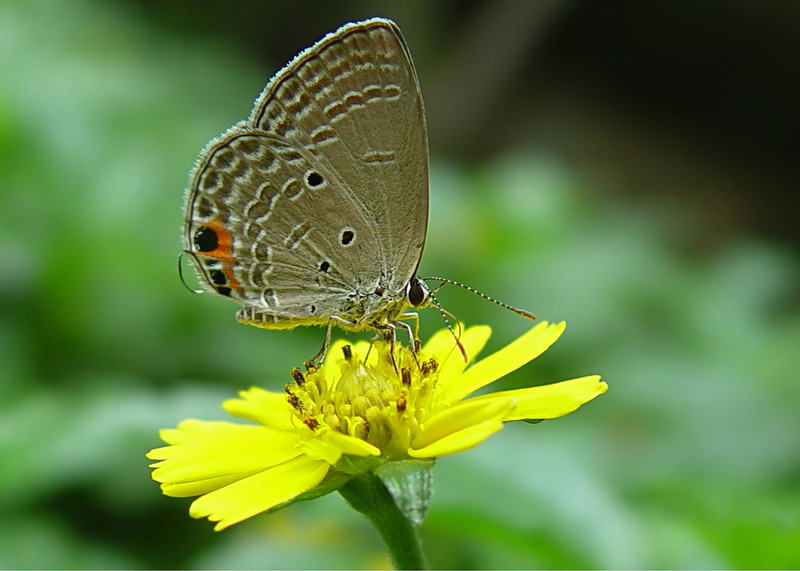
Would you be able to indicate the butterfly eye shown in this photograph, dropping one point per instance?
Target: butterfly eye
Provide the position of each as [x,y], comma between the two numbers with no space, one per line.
[416,292]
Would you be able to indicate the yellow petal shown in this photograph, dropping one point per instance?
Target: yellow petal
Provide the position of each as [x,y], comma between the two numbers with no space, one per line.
[510,358]
[452,363]
[458,441]
[460,417]
[549,401]
[191,489]
[440,343]
[198,432]
[259,492]
[351,445]
[221,450]
[188,430]
[261,406]
[329,445]
[365,352]
[336,354]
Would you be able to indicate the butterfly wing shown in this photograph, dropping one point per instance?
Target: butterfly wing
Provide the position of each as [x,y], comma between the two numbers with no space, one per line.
[249,231]
[321,197]
[353,101]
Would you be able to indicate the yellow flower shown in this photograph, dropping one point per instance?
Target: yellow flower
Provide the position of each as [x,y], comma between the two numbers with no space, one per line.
[357,411]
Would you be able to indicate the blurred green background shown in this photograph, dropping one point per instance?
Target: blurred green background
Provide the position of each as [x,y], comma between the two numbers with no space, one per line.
[629,167]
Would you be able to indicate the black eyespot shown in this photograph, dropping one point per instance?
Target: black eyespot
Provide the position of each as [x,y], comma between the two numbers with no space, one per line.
[347,237]
[324,266]
[224,290]
[218,277]
[313,308]
[314,179]
[205,239]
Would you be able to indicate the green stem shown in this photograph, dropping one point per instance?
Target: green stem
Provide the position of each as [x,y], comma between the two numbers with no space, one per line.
[366,494]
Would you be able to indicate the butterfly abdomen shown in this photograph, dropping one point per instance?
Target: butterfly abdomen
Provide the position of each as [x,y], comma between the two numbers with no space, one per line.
[267,320]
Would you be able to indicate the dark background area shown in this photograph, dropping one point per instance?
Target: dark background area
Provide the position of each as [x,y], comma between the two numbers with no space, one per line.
[696,102]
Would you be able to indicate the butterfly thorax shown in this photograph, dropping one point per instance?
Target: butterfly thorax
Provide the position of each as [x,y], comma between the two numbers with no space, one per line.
[384,306]
[373,310]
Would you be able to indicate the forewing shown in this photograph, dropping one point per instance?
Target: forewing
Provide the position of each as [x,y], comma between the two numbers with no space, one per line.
[352,101]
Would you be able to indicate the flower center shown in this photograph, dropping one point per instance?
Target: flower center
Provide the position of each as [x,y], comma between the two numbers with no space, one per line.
[377,399]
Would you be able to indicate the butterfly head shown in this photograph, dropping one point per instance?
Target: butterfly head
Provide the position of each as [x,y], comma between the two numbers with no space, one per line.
[417,292]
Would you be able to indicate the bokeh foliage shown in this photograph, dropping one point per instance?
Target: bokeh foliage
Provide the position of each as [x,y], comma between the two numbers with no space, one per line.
[690,460]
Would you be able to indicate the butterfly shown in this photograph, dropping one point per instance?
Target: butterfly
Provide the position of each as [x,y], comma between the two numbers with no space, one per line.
[314,210]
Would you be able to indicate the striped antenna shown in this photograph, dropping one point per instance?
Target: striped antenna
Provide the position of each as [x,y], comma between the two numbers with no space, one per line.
[446,316]
[522,312]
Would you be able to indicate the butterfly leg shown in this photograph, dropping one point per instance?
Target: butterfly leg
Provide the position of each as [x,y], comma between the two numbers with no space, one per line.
[414,342]
[390,333]
[315,361]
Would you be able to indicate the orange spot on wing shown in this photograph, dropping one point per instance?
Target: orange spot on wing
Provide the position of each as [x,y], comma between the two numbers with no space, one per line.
[224,253]
[224,249]
[233,283]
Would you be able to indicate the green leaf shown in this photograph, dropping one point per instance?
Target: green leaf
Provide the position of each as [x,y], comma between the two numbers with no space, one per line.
[410,482]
